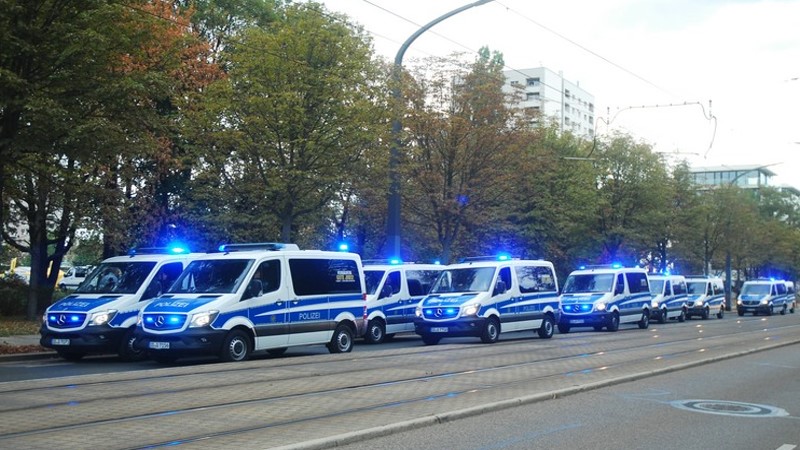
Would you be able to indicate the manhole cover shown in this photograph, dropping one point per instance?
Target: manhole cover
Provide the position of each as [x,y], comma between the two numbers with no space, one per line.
[730,408]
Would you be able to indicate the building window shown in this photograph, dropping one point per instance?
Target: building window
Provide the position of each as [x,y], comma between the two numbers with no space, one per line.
[532,96]
[533,81]
[566,93]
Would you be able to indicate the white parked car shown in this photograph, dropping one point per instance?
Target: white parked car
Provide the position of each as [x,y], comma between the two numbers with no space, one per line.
[74,277]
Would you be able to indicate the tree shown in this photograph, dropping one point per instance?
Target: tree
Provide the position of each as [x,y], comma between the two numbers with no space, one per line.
[460,143]
[286,133]
[75,105]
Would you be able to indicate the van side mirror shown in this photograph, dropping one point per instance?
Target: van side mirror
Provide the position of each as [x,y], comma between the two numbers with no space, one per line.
[500,288]
[386,291]
[620,289]
[253,289]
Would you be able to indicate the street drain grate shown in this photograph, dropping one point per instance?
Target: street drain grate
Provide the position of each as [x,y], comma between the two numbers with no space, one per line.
[729,408]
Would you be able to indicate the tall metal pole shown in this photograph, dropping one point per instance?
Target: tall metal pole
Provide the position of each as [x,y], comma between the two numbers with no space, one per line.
[393,223]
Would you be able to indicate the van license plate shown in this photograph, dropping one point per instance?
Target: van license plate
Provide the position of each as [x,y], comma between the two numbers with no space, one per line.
[438,329]
[159,345]
[576,321]
[60,341]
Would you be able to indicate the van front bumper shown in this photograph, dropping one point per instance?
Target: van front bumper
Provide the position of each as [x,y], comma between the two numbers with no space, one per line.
[463,327]
[192,342]
[764,309]
[94,339]
[595,319]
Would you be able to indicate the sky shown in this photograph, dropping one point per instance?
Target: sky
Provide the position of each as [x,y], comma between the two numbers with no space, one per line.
[715,82]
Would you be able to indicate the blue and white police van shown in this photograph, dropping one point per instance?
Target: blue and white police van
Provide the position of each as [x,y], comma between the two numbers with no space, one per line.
[483,297]
[791,295]
[257,297]
[669,297]
[706,296]
[100,316]
[763,296]
[605,296]
[393,291]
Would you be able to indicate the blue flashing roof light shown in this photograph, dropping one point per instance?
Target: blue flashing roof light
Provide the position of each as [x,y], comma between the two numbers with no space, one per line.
[582,267]
[503,257]
[395,261]
[343,247]
[616,266]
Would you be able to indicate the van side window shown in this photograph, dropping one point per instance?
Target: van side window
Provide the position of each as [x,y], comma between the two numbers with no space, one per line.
[269,274]
[393,280]
[637,282]
[668,288]
[620,287]
[325,276]
[781,288]
[420,281]
[535,279]
[679,288]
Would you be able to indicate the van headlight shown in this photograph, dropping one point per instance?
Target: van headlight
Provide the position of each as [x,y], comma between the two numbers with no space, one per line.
[764,302]
[203,319]
[600,306]
[102,317]
[698,303]
[471,310]
[418,311]
[739,301]
[654,304]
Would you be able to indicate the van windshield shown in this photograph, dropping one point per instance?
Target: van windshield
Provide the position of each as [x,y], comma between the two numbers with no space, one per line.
[117,278]
[696,287]
[212,276]
[656,287]
[597,282]
[472,279]
[373,278]
[755,289]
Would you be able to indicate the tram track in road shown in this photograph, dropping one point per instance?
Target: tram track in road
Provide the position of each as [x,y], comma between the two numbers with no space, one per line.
[469,380]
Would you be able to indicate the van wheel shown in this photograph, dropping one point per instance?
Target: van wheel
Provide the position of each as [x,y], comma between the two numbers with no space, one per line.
[429,339]
[236,347]
[491,331]
[376,331]
[791,310]
[563,328]
[740,312]
[770,311]
[662,319]
[613,322]
[705,314]
[547,329]
[644,322]
[71,356]
[682,317]
[783,311]
[127,351]
[342,340]
[277,351]
[721,312]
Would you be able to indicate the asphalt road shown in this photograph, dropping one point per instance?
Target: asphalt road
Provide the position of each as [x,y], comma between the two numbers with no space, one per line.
[318,400]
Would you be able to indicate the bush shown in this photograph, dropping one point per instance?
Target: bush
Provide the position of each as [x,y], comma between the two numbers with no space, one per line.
[13,297]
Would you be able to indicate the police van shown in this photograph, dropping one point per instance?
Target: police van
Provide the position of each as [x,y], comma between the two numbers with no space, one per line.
[791,295]
[763,296]
[485,296]
[393,291]
[706,296]
[605,296]
[100,316]
[257,297]
[669,297]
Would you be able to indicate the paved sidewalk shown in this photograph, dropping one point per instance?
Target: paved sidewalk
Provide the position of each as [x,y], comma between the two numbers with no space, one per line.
[24,340]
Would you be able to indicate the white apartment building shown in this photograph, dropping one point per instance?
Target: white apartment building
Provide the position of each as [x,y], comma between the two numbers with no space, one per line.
[549,96]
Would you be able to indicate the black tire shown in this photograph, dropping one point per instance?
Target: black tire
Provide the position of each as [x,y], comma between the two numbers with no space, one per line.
[548,328]
[342,340]
[740,312]
[791,310]
[721,312]
[644,322]
[491,331]
[62,286]
[127,351]
[376,331]
[770,311]
[783,311]
[277,351]
[705,314]
[662,319]
[682,317]
[613,322]
[430,339]
[71,355]
[563,328]
[163,359]
[235,347]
